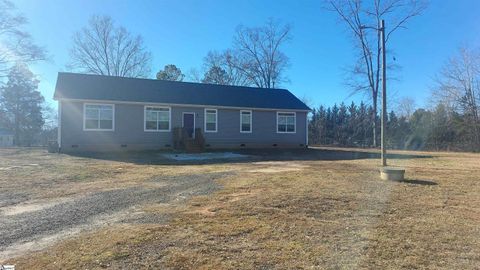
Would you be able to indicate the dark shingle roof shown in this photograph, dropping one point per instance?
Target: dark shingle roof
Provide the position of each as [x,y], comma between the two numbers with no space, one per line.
[98,87]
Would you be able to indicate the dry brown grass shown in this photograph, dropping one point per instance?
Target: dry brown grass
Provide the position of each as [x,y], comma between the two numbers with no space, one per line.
[296,215]
[48,176]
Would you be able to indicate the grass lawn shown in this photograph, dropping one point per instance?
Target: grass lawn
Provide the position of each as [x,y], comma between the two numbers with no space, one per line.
[326,210]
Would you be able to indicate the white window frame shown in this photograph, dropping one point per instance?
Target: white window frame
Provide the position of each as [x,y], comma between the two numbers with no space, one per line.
[294,125]
[157,130]
[98,129]
[205,120]
[251,121]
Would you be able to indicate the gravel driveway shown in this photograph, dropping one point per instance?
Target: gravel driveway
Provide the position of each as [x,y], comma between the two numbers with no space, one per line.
[85,211]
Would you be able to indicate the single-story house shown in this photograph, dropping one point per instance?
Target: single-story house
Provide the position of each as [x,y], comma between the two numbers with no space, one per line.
[6,138]
[99,112]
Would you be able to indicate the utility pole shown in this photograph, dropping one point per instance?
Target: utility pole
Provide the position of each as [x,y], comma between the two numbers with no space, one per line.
[386,173]
[384,94]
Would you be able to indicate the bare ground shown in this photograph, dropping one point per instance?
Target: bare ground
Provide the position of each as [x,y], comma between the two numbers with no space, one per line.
[323,208]
[32,217]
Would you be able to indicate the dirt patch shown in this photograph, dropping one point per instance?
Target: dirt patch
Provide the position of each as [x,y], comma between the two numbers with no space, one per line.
[239,196]
[31,206]
[18,166]
[207,211]
[223,203]
[276,167]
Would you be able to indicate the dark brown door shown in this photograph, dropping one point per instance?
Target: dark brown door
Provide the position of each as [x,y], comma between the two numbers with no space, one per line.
[189,124]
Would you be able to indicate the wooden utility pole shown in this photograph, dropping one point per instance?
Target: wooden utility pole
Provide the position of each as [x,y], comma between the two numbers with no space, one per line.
[384,94]
[386,173]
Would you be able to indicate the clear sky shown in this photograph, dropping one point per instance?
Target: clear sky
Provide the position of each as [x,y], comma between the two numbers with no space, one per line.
[182,32]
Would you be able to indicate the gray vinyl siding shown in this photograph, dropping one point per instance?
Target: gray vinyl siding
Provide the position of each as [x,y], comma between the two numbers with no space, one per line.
[264,130]
[129,129]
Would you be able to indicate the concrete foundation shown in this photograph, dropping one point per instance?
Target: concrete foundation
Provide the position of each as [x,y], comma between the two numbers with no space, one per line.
[392,174]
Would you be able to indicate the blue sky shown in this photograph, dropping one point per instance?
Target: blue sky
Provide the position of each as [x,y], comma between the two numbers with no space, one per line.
[182,32]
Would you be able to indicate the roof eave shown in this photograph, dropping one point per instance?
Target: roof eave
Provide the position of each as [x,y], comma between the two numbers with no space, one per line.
[180,104]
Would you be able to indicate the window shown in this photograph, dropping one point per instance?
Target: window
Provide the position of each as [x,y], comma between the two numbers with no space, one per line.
[286,122]
[210,120]
[98,117]
[245,121]
[157,118]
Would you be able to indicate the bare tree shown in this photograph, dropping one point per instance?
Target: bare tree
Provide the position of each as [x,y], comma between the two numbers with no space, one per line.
[458,86]
[221,68]
[193,75]
[406,106]
[362,19]
[16,45]
[257,53]
[102,48]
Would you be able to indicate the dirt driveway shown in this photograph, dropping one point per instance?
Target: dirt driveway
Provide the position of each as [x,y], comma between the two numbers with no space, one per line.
[44,198]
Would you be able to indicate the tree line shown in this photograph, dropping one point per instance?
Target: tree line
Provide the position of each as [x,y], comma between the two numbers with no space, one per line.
[440,128]
[451,123]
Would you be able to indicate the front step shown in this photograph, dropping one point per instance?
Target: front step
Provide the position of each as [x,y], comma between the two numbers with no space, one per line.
[181,141]
[191,146]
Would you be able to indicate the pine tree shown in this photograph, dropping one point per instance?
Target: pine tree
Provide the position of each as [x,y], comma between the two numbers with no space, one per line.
[392,138]
[313,131]
[364,124]
[21,105]
[443,131]
[342,135]
[352,125]
[334,123]
[322,119]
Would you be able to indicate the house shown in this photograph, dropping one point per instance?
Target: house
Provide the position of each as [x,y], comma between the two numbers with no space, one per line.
[99,112]
[6,138]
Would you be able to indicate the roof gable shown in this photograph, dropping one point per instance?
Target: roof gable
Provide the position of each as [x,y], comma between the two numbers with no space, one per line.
[99,87]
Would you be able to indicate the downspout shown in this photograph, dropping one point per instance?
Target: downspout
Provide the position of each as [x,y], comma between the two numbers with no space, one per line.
[306,130]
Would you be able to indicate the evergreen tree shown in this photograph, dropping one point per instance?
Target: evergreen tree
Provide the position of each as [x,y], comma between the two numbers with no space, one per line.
[322,119]
[216,75]
[352,125]
[334,125]
[443,130]
[440,129]
[342,133]
[421,122]
[170,73]
[21,105]
[364,124]
[313,132]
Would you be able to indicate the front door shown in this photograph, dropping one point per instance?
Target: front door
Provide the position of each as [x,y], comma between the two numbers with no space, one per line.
[189,124]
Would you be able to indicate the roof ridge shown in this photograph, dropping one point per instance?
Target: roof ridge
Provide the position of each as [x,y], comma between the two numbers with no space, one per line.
[167,81]
[102,87]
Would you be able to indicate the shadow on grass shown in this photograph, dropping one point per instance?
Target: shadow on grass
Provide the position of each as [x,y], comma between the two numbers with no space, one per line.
[420,182]
[156,157]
